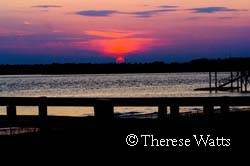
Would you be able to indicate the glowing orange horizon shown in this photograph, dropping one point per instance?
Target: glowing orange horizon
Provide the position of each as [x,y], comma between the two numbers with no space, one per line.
[119,48]
[117,43]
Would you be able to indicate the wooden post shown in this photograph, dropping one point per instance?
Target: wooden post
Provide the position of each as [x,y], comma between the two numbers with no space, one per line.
[216,81]
[224,108]
[104,109]
[210,81]
[238,85]
[174,110]
[208,109]
[241,81]
[11,112]
[43,112]
[231,79]
[246,81]
[162,111]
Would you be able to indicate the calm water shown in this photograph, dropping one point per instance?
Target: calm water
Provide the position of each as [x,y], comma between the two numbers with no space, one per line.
[103,85]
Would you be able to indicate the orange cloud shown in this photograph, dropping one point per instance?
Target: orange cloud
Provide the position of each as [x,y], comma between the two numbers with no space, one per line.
[112,34]
[114,47]
[109,34]
[118,48]
[117,43]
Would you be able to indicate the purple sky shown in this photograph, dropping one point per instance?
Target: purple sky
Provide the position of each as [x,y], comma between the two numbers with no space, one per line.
[62,31]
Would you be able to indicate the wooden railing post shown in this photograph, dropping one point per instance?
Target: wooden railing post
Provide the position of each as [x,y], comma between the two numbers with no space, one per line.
[104,109]
[210,82]
[43,112]
[174,110]
[162,111]
[208,109]
[224,108]
[11,112]
[216,82]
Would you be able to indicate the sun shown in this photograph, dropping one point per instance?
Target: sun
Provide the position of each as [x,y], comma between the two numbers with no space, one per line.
[120,59]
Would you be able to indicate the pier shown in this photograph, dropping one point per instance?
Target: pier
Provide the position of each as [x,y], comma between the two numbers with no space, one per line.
[104,107]
[236,81]
[63,135]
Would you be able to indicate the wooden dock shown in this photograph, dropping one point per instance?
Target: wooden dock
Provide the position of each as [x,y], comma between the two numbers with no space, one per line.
[69,135]
[235,81]
[104,107]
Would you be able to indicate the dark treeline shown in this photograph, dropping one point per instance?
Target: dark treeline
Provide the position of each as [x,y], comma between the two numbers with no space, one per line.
[199,65]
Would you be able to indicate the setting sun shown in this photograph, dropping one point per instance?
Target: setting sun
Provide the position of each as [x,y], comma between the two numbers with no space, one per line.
[120,59]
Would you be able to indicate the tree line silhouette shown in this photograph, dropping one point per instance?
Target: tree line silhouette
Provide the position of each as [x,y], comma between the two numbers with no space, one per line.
[198,65]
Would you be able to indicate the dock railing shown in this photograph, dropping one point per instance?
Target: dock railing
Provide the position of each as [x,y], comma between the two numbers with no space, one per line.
[104,107]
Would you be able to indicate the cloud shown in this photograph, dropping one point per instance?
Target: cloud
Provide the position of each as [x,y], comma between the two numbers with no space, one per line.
[4,32]
[195,18]
[114,33]
[212,18]
[226,18]
[27,23]
[142,5]
[150,13]
[168,7]
[111,34]
[57,31]
[46,6]
[212,9]
[117,43]
[97,13]
[141,14]
[117,47]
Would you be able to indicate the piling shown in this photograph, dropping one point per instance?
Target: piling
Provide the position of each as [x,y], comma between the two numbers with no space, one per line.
[104,109]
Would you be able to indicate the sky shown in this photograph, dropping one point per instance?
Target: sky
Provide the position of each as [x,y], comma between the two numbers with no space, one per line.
[135,31]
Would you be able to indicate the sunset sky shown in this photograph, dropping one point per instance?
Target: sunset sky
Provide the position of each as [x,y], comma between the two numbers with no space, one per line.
[47,31]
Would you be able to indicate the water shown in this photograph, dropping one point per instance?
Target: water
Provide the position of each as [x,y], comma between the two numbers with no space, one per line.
[104,85]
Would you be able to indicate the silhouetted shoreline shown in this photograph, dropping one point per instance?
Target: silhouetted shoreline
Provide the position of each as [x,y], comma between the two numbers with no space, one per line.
[199,65]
